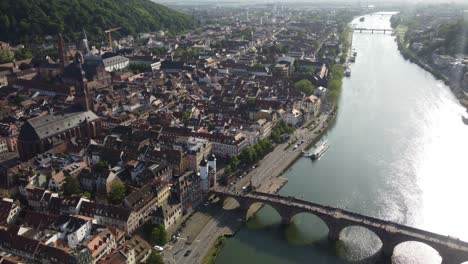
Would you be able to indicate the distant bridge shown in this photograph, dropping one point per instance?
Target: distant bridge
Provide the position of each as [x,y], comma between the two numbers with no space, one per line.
[452,250]
[384,30]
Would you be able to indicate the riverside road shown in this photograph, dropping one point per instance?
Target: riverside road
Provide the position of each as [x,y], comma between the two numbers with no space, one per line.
[264,177]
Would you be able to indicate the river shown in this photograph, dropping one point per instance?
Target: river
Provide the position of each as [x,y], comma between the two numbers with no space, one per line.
[397,152]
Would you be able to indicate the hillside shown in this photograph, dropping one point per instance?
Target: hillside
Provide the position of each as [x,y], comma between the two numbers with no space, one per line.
[29,21]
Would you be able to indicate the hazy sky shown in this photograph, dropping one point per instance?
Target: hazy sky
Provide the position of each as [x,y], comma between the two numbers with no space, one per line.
[290,1]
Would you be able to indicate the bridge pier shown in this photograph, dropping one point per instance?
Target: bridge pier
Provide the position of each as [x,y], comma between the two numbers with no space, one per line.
[334,232]
[387,250]
[450,257]
[286,220]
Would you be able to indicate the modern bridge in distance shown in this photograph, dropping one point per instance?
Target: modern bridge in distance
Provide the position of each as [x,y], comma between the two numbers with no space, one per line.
[384,30]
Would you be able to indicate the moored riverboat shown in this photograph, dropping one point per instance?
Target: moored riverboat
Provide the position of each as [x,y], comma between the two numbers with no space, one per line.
[319,150]
[348,72]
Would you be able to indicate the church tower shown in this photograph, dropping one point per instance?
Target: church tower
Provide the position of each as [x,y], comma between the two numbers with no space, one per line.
[62,52]
[81,84]
[212,170]
[205,181]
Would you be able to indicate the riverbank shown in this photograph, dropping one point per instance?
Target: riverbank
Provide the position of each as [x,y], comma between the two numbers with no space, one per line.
[375,165]
[210,258]
[276,181]
[214,220]
[210,224]
[412,57]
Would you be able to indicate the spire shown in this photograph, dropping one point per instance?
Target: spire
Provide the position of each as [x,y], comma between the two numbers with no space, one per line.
[203,162]
[212,157]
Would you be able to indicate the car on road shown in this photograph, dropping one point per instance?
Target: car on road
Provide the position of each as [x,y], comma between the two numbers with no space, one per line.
[187,252]
[158,248]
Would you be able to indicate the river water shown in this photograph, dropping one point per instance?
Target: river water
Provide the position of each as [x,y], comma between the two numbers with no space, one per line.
[397,152]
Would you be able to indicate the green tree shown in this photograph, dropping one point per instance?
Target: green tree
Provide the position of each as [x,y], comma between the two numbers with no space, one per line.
[101,166]
[71,185]
[275,136]
[159,51]
[23,54]
[228,170]
[87,195]
[335,85]
[337,71]
[155,258]
[117,193]
[6,56]
[186,116]
[158,235]
[23,21]
[305,86]
[235,162]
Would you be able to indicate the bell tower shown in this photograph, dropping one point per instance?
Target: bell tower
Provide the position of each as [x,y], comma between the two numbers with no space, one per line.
[62,52]
[81,92]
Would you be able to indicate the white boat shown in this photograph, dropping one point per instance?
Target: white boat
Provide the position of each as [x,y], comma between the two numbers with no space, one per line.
[348,72]
[319,150]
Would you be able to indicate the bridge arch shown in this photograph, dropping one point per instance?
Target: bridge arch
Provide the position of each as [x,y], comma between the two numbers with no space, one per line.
[230,203]
[269,216]
[416,252]
[307,227]
[358,243]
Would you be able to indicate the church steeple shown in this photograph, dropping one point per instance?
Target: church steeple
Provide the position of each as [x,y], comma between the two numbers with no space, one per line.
[62,52]
[82,95]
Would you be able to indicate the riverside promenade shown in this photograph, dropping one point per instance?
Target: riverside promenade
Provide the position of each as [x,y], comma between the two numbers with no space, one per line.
[213,221]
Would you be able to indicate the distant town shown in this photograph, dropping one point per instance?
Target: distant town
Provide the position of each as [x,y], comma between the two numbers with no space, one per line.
[109,150]
[436,39]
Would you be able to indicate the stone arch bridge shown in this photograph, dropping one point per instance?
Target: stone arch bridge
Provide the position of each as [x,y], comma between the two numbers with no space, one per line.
[391,234]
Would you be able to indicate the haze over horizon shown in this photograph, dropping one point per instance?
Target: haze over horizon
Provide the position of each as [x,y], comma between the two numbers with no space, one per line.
[311,1]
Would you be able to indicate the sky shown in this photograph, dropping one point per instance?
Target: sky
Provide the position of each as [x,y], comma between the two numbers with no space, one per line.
[291,1]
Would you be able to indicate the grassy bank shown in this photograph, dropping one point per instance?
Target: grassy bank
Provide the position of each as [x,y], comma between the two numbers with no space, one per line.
[210,258]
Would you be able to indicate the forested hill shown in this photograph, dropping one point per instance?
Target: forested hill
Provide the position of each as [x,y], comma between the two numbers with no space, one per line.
[28,21]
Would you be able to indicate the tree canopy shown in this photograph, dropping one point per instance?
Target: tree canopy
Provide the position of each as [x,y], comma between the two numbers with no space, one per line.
[101,166]
[336,81]
[156,234]
[71,186]
[117,193]
[6,56]
[155,258]
[26,21]
[305,86]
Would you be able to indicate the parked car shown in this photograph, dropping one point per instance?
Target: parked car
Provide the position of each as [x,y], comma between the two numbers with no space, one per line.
[158,248]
